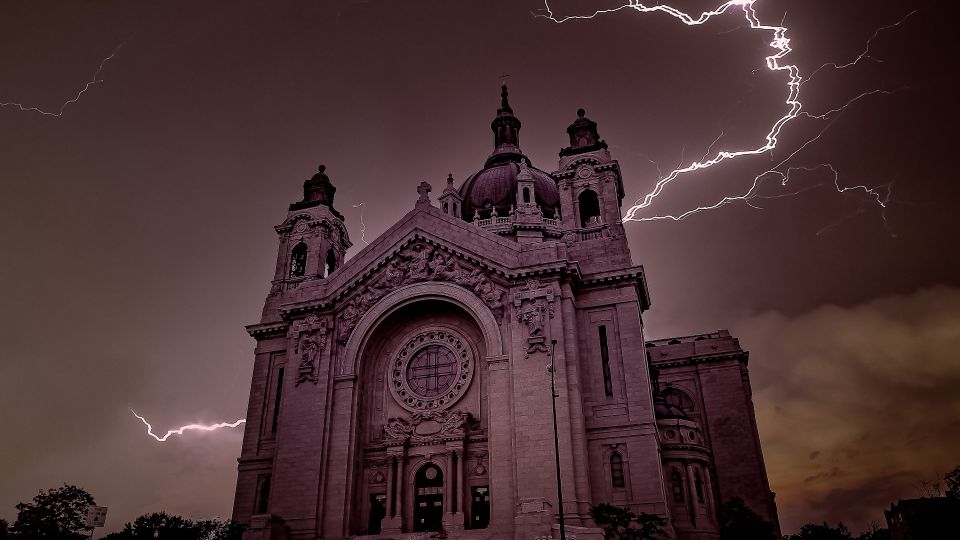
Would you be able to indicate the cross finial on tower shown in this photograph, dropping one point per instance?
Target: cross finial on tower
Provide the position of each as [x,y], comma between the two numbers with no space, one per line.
[424,189]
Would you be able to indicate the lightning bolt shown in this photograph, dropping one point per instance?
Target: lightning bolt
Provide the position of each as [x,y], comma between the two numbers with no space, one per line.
[188,427]
[781,46]
[95,80]
[363,227]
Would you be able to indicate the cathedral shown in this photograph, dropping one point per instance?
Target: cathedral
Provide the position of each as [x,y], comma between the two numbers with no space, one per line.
[406,392]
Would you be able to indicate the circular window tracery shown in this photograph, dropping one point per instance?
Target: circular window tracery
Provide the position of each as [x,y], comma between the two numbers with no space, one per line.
[431,370]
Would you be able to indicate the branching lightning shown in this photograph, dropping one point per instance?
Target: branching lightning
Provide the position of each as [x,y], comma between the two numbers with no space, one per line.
[95,80]
[781,46]
[363,227]
[188,427]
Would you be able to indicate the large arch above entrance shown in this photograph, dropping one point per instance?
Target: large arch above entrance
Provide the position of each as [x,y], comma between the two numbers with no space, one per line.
[431,290]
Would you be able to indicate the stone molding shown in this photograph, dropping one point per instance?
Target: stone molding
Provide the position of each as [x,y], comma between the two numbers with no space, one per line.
[408,294]
[419,261]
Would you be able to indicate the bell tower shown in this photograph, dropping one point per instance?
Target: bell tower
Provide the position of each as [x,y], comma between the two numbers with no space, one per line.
[591,194]
[313,238]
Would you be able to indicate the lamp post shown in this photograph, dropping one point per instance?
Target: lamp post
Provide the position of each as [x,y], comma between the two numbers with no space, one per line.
[552,368]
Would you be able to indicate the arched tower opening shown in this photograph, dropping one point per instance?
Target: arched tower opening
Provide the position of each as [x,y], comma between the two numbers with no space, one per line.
[589,206]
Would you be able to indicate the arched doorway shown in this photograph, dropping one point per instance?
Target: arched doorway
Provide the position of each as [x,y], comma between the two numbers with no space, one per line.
[428,499]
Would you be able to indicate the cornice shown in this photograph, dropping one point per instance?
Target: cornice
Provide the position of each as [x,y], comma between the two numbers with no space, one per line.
[740,356]
[267,330]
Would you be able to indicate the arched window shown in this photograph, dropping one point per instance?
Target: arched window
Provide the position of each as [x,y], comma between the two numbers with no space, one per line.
[676,482]
[679,399]
[446,207]
[263,494]
[331,261]
[616,470]
[526,194]
[589,208]
[298,260]
[698,486]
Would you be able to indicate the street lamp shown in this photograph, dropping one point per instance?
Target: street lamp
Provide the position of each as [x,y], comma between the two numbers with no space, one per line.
[552,368]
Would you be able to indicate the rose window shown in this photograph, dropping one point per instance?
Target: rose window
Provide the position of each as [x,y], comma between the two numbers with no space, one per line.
[431,370]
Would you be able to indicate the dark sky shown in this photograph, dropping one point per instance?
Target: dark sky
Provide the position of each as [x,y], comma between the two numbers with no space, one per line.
[136,234]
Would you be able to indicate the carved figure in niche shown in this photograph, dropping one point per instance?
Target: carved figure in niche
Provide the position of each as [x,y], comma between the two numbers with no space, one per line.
[307,371]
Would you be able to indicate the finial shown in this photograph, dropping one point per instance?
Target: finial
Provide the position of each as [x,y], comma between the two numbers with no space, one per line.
[581,113]
[321,168]
[503,97]
[450,179]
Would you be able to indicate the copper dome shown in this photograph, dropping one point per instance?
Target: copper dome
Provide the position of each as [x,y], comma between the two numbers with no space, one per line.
[496,186]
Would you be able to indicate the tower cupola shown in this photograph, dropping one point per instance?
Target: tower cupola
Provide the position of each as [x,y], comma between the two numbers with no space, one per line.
[506,132]
[316,191]
[583,136]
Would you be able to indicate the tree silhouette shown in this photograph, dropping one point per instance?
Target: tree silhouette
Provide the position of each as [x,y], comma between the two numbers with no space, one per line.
[58,513]
[622,524]
[813,531]
[952,480]
[739,522]
[165,526]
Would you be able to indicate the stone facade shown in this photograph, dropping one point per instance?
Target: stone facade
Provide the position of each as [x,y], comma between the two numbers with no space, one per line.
[405,391]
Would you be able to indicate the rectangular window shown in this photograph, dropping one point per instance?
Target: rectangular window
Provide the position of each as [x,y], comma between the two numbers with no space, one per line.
[276,401]
[605,362]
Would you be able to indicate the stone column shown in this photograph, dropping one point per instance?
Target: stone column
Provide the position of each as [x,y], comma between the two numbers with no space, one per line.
[500,455]
[708,489]
[460,496]
[449,485]
[453,517]
[691,481]
[391,470]
[393,523]
[401,485]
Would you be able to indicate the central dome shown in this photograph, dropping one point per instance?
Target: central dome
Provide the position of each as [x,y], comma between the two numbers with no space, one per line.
[495,185]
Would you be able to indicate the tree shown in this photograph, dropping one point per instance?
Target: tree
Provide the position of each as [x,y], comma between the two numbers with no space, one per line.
[739,522]
[622,524]
[952,480]
[876,532]
[3,529]
[813,531]
[165,526]
[58,513]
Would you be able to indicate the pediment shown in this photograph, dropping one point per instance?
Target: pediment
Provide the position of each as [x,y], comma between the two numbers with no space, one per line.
[413,251]
[419,259]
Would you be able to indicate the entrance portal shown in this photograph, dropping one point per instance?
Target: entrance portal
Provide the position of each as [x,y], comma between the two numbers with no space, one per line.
[428,499]
[480,507]
[378,509]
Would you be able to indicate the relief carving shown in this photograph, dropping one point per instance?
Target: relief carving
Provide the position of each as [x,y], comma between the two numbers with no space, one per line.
[309,340]
[415,263]
[534,304]
[426,427]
